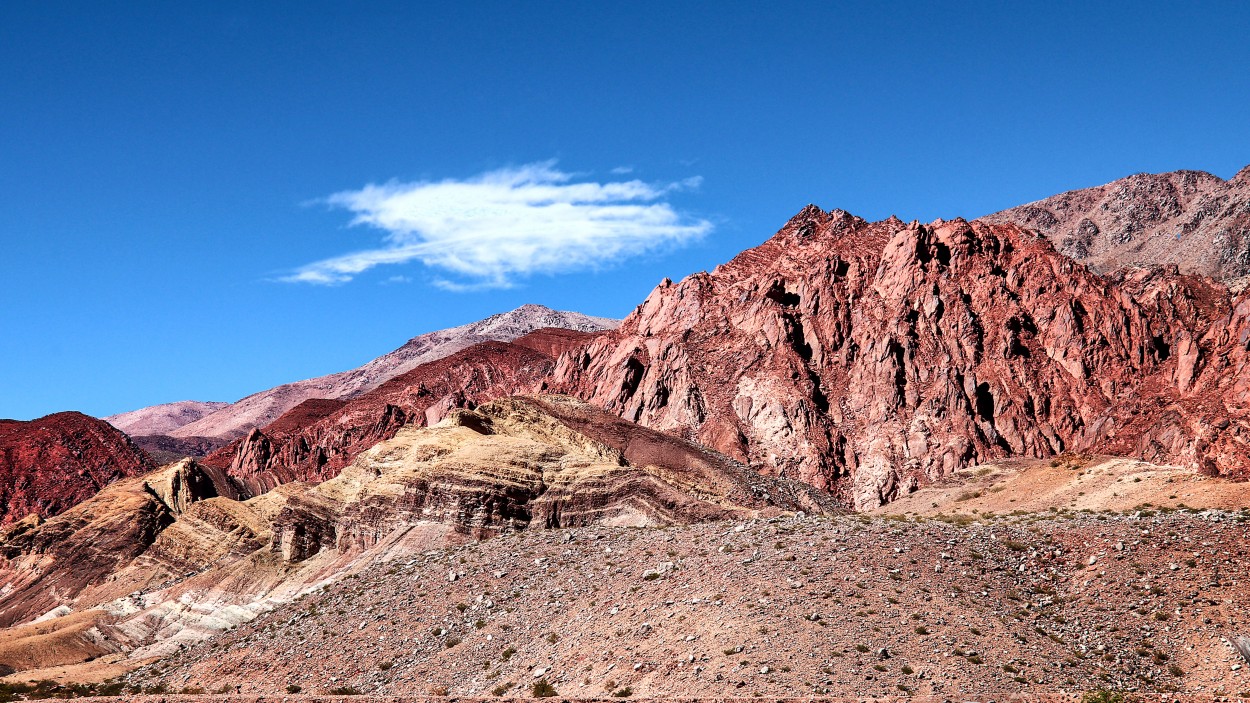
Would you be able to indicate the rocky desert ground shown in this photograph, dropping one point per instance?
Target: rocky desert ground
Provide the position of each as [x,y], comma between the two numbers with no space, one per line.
[956,605]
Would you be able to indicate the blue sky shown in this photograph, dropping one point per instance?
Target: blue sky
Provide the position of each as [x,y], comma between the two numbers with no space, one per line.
[179,182]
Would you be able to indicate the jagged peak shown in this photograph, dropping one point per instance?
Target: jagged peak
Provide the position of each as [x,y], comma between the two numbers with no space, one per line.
[1243,176]
[809,211]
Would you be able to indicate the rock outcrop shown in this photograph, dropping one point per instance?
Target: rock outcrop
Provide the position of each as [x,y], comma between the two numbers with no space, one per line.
[49,563]
[55,462]
[317,438]
[869,358]
[1192,219]
[260,409]
[516,462]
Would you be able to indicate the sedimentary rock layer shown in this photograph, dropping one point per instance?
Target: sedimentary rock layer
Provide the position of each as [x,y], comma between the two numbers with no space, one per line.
[173,556]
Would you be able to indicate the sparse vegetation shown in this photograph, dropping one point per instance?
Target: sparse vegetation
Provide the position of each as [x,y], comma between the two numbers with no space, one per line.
[542,689]
[1103,695]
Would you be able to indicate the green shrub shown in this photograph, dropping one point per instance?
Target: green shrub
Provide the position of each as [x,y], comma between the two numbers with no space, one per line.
[1102,695]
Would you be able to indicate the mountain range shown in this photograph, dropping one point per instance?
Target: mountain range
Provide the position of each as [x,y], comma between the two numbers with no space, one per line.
[894,386]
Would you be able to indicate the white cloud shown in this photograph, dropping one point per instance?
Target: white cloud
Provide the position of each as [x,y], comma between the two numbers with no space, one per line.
[491,229]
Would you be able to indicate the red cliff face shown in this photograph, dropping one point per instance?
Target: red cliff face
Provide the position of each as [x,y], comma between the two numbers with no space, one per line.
[53,463]
[867,358]
[316,439]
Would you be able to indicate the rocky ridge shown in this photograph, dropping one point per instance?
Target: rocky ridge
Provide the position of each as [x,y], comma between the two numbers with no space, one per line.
[260,409]
[164,418]
[871,358]
[1191,219]
[55,462]
[317,438]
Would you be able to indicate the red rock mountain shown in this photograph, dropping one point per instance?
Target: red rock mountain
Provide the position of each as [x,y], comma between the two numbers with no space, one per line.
[55,462]
[1192,219]
[869,358]
[318,437]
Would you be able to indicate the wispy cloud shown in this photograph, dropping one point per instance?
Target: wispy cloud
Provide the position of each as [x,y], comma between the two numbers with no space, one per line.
[489,230]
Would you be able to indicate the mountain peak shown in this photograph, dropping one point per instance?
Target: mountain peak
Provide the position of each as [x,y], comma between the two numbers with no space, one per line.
[1191,219]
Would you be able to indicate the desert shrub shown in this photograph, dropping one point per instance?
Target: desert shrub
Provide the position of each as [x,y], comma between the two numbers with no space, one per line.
[345,691]
[1102,695]
[625,692]
[294,688]
[542,689]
